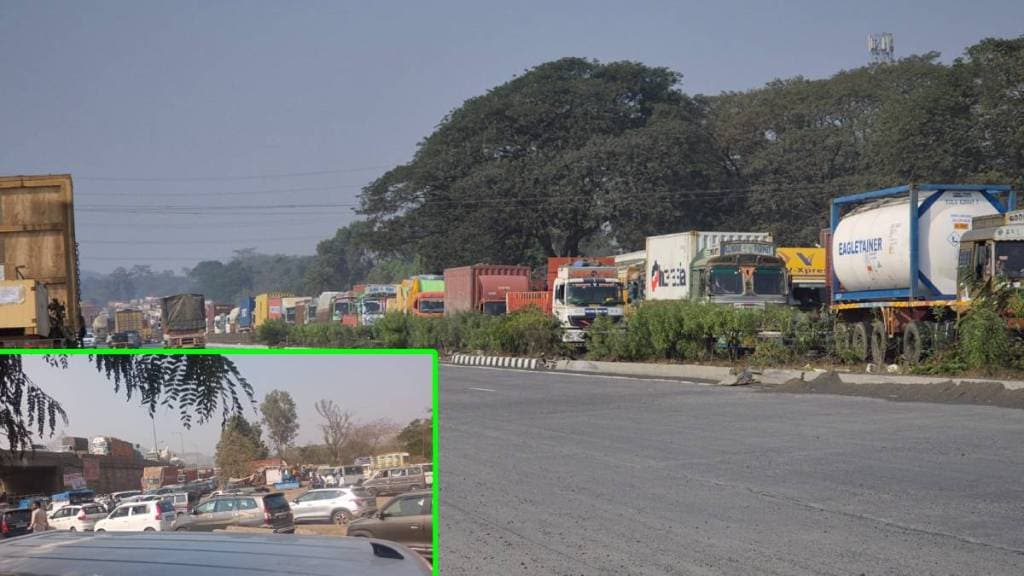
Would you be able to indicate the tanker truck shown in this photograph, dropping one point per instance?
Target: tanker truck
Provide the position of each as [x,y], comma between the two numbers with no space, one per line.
[894,262]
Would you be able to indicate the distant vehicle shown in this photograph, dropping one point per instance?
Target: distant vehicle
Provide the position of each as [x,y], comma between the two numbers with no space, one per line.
[269,511]
[134,339]
[118,496]
[428,473]
[405,519]
[337,505]
[396,480]
[77,517]
[149,516]
[14,522]
[222,554]
[182,501]
[88,341]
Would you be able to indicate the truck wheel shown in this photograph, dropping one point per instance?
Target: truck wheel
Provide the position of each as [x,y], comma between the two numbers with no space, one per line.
[860,341]
[916,342]
[879,343]
[841,339]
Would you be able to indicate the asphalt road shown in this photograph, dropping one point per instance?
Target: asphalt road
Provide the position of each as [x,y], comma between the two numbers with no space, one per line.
[547,473]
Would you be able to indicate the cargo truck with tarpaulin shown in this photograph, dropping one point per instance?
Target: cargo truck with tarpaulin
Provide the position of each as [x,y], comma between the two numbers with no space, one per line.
[39,293]
[183,317]
[895,256]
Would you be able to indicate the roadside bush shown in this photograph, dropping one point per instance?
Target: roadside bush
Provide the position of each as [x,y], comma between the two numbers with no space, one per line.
[985,341]
[529,332]
[392,331]
[608,340]
[273,332]
[331,335]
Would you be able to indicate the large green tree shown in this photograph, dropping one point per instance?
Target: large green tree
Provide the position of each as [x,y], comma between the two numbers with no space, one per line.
[281,420]
[537,166]
[240,443]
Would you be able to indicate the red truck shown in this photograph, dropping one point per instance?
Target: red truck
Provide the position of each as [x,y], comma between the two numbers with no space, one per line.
[482,287]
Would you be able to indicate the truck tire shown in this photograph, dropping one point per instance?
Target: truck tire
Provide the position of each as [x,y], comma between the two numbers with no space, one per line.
[916,342]
[860,341]
[879,344]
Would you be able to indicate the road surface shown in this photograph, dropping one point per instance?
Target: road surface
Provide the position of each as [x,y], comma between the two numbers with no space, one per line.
[548,473]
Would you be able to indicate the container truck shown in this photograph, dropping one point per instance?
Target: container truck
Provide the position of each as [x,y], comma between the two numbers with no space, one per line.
[806,269]
[267,307]
[424,296]
[294,309]
[345,307]
[246,311]
[39,293]
[325,307]
[128,320]
[482,287]
[894,257]
[372,302]
[632,269]
[183,317]
[732,268]
[582,292]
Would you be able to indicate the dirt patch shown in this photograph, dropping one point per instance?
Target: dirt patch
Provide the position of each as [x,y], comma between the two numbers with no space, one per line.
[949,392]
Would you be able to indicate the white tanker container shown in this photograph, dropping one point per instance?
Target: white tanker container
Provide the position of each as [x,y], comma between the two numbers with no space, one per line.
[871,245]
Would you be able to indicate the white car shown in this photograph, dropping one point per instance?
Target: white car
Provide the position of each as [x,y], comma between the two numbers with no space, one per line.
[77,517]
[88,341]
[337,505]
[149,516]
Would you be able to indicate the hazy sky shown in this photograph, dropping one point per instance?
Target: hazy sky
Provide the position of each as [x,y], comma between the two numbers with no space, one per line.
[209,104]
[370,387]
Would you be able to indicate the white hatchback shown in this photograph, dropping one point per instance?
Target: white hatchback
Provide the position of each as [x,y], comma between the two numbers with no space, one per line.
[150,516]
[77,517]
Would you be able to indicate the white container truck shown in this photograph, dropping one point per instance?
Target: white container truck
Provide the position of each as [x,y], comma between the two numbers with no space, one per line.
[736,268]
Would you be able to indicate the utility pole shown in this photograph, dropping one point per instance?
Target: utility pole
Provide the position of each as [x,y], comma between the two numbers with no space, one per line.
[156,449]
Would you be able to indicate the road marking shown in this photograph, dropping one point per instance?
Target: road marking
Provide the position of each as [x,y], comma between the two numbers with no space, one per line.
[483,389]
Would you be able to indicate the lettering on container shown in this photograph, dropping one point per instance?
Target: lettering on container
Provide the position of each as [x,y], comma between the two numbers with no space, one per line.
[667,277]
[860,246]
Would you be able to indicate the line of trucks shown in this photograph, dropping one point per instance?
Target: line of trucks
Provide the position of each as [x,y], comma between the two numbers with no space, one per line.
[896,267]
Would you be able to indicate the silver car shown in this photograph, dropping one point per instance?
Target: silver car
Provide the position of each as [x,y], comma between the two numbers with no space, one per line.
[337,505]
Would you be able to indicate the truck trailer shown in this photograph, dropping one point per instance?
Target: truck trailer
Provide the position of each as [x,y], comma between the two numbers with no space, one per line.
[482,288]
[894,263]
[183,317]
[39,293]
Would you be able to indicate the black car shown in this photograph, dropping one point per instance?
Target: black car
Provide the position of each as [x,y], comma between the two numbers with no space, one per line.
[15,522]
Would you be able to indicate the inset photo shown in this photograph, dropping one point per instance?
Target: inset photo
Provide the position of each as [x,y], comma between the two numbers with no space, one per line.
[280,461]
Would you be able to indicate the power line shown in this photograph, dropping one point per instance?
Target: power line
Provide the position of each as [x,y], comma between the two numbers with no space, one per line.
[228,178]
[224,193]
[174,242]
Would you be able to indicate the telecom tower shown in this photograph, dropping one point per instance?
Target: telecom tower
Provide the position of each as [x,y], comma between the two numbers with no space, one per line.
[881,48]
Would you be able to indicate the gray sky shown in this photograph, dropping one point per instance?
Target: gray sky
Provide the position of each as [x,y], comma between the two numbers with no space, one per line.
[370,387]
[333,93]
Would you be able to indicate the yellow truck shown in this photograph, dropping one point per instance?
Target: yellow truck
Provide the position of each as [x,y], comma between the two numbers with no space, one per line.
[421,295]
[806,267]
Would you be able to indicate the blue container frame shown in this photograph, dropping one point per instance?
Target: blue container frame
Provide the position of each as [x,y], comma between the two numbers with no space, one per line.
[918,280]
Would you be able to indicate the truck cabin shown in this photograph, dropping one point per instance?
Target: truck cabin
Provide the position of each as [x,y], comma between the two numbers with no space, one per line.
[494,291]
[992,251]
[429,304]
[734,276]
[589,292]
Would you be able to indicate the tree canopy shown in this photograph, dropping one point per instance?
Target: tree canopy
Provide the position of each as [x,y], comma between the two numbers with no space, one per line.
[281,420]
[240,443]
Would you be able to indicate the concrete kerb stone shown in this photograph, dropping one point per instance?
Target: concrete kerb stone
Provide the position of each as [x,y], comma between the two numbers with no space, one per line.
[495,361]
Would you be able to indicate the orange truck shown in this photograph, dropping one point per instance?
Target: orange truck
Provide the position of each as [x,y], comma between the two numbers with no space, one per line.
[483,288]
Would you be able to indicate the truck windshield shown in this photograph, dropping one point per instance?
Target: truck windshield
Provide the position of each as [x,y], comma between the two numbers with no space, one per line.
[769,281]
[436,306]
[494,308]
[1010,259]
[371,306]
[593,294]
[725,280]
[340,309]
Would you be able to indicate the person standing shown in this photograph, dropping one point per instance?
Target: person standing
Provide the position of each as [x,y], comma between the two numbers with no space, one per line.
[40,523]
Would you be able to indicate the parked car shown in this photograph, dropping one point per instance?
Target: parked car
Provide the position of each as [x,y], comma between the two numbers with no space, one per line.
[222,554]
[77,517]
[88,341]
[118,496]
[155,515]
[396,480]
[14,522]
[428,473]
[182,501]
[269,511]
[405,519]
[337,505]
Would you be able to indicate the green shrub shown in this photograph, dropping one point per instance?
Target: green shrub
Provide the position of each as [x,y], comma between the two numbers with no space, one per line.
[273,332]
[528,332]
[985,341]
[392,331]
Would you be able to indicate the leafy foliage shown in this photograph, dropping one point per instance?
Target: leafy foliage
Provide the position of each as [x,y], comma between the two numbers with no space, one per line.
[273,332]
[240,443]
[416,438]
[280,418]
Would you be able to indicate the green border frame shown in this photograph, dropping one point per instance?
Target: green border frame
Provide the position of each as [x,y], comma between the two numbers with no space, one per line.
[435,384]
